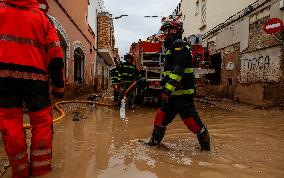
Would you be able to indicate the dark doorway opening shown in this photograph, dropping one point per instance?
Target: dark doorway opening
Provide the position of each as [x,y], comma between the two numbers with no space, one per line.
[216,61]
[78,65]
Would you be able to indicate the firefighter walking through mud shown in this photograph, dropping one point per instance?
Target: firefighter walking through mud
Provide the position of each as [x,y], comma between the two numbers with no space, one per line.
[128,76]
[30,55]
[115,80]
[178,89]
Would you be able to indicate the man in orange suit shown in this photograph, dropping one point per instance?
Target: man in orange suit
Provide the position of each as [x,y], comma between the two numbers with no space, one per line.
[30,57]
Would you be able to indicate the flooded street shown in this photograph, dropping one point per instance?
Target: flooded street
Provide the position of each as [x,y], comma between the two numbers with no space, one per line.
[101,145]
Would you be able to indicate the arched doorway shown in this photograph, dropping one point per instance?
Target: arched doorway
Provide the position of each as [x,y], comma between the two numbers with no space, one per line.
[65,44]
[79,59]
[64,50]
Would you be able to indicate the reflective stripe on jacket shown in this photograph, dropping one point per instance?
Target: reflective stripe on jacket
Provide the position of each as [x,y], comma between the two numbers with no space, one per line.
[115,76]
[28,40]
[178,71]
[128,72]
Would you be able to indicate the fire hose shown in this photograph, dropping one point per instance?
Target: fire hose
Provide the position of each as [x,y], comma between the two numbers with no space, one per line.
[62,113]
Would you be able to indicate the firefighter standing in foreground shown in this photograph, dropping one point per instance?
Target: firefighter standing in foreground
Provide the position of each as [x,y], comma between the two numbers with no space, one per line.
[178,89]
[30,55]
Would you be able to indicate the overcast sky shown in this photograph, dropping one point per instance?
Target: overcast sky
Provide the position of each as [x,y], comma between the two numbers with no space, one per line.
[134,27]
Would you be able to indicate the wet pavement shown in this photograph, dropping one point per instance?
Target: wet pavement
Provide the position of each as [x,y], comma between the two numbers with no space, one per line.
[246,143]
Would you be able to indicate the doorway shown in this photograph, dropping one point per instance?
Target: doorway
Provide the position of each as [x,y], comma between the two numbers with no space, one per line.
[216,62]
[79,66]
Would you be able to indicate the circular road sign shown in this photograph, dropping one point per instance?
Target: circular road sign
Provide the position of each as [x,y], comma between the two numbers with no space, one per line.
[273,26]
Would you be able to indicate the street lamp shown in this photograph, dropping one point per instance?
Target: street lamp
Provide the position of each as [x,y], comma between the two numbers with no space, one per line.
[118,17]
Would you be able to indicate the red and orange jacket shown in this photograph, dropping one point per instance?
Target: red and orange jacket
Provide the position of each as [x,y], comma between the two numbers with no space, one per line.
[29,46]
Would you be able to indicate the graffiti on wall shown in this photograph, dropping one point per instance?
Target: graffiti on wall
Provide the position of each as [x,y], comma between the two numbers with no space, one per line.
[261,66]
[257,68]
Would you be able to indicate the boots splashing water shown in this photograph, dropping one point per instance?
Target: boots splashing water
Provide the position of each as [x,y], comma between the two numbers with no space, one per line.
[204,139]
[157,136]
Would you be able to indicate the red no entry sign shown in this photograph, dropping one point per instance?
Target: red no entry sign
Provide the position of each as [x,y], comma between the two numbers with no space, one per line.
[273,25]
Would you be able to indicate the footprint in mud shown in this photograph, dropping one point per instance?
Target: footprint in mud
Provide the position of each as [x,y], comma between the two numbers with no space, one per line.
[77,116]
[144,142]
[181,153]
[185,146]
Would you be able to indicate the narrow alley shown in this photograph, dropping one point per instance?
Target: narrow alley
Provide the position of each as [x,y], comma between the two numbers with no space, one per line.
[142,89]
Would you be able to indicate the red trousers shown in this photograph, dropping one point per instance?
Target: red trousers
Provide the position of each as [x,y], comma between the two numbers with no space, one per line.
[11,126]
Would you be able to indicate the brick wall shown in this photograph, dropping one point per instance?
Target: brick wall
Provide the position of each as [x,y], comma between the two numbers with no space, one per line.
[230,70]
[263,85]
[274,93]
[104,31]
[258,39]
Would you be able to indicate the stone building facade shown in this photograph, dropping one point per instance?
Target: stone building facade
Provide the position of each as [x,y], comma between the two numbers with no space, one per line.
[77,30]
[105,45]
[248,62]
[200,16]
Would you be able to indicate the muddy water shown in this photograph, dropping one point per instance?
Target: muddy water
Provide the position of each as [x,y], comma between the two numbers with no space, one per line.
[101,145]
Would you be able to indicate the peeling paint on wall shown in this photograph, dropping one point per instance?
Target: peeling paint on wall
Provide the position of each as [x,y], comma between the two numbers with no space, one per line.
[261,66]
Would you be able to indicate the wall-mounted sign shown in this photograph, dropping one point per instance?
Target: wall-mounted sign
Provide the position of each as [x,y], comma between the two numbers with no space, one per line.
[273,26]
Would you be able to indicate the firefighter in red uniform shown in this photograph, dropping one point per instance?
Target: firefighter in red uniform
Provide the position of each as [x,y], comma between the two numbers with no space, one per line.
[30,56]
[178,89]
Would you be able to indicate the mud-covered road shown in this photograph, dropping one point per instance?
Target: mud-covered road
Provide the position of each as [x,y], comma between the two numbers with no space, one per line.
[101,145]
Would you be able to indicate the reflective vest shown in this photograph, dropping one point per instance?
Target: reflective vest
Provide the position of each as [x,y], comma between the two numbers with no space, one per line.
[128,72]
[178,71]
[115,76]
[28,41]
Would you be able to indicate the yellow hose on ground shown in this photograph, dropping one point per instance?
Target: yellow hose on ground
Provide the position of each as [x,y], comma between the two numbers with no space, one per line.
[62,113]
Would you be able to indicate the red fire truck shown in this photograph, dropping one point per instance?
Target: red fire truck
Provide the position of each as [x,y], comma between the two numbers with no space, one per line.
[149,61]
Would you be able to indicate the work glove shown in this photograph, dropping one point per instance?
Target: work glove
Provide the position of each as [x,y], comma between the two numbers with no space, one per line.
[165,97]
[116,87]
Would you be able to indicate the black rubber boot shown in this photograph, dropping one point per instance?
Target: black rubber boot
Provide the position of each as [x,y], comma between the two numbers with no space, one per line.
[204,140]
[157,136]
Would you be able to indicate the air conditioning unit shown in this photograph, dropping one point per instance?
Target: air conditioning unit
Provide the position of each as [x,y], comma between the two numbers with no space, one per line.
[281,4]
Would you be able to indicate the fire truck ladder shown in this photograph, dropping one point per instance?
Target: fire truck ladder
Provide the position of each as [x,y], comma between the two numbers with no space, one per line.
[151,62]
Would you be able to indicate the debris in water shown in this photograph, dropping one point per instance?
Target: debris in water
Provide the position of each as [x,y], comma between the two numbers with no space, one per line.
[76,116]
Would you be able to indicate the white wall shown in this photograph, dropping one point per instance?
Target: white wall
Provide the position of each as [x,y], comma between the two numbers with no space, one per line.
[217,11]
[95,6]
[261,66]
